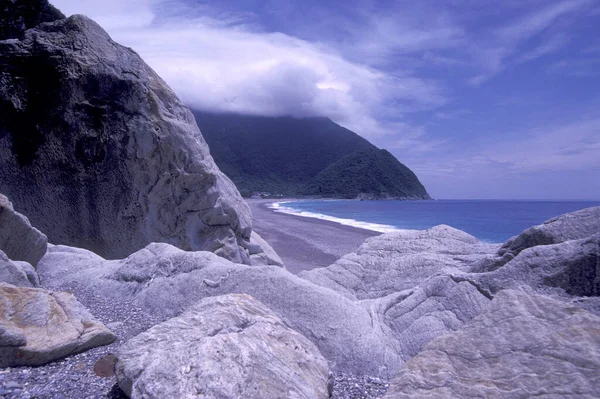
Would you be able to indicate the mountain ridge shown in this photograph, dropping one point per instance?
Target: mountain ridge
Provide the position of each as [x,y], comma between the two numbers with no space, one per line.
[283,155]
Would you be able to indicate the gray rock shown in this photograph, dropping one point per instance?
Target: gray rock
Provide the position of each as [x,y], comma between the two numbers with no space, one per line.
[261,253]
[164,281]
[99,153]
[222,347]
[397,261]
[438,306]
[519,347]
[17,273]
[570,226]
[37,326]
[18,239]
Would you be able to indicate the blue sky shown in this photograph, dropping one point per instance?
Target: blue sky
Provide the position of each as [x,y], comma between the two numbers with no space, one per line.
[481,98]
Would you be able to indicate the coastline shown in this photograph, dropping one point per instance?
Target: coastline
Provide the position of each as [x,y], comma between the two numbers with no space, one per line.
[304,243]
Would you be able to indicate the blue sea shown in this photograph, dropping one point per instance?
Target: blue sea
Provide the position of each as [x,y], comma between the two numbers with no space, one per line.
[489,220]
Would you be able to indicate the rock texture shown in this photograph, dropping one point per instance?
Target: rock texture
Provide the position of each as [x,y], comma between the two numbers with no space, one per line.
[99,153]
[18,239]
[164,280]
[17,273]
[223,347]
[261,253]
[370,312]
[570,226]
[521,346]
[16,16]
[37,326]
[400,260]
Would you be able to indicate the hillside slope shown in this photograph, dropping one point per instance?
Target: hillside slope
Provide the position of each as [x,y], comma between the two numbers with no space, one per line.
[371,173]
[282,155]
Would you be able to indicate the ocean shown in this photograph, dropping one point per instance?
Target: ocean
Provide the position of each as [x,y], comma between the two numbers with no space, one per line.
[489,220]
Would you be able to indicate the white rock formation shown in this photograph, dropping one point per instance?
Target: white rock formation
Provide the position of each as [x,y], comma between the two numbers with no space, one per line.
[225,347]
[18,239]
[521,346]
[401,260]
[37,326]
[17,273]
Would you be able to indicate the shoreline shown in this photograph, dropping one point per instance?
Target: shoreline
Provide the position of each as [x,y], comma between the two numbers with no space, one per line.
[302,242]
[373,227]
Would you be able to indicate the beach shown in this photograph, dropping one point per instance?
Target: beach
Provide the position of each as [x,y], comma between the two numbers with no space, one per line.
[304,243]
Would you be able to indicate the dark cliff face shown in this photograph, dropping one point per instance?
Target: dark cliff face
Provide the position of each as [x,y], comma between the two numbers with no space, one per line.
[304,156]
[98,151]
[16,16]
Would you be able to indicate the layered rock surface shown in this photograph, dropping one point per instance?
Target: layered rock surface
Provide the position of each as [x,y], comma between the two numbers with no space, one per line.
[18,239]
[99,153]
[223,347]
[165,281]
[17,273]
[521,346]
[37,326]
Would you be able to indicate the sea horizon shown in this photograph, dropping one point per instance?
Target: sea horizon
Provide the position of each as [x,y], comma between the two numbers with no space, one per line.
[493,221]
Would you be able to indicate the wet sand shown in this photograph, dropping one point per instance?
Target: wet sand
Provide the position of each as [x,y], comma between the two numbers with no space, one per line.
[305,243]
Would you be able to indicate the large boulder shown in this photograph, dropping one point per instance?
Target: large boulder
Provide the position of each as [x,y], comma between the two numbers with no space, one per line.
[99,153]
[570,226]
[17,273]
[401,260]
[521,346]
[164,281]
[225,347]
[18,239]
[37,326]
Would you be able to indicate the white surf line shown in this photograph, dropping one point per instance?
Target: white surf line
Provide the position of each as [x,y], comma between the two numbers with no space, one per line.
[380,228]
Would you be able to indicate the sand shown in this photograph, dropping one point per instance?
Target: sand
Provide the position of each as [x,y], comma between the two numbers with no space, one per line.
[305,243]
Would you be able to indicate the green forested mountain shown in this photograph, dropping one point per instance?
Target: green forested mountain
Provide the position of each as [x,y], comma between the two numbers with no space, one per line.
[282,155]
[372,172]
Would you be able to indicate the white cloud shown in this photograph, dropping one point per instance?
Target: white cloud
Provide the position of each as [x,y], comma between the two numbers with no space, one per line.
[220,64]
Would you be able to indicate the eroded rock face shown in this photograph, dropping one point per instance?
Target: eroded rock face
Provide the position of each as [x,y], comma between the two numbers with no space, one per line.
[37,326]
[17,273]
[397,261]
[362,324]
[99,153]
[165,281]
[222,347]
[520,346]
[570,226]
[18,239]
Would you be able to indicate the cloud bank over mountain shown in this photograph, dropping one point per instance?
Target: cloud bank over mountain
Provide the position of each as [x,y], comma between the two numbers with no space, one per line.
[441,81]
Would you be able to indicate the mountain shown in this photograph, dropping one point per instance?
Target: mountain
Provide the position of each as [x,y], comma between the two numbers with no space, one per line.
[297,156]
[370,173]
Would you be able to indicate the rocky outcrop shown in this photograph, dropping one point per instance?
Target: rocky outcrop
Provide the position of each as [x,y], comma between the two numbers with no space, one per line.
[570,226]
[37,326]
[521,346]
[16,16]
[368,313]
[17,273]
[99,153]
[164,281]
[223,347]
[398,261]
[18,239]
[261,252]
[571,268]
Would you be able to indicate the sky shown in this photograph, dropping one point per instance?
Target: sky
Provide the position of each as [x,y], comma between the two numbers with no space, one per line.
[482,99]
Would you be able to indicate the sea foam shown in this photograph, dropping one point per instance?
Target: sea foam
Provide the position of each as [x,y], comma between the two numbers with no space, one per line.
[380,228]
